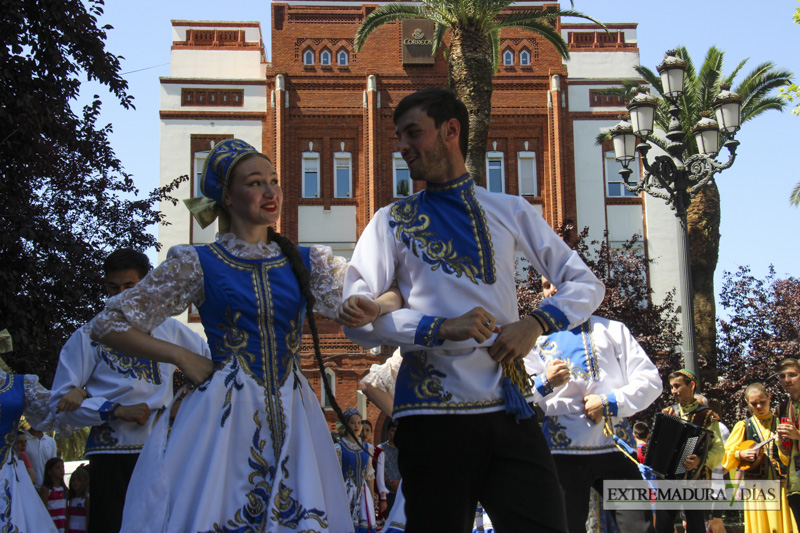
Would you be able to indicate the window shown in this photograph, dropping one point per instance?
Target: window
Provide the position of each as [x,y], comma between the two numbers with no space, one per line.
[311,175]
[525,58]
[342,58]
[495,174]
[325,57]
[526,170]
[508,57]
[402,179]
[323,399]
[615,186]
[343,172]
[308,57]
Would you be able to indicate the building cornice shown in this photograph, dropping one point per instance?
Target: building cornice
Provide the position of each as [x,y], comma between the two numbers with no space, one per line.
[212,115]
[210,81]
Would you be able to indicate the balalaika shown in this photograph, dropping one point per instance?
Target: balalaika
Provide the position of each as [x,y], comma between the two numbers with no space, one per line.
[671,442]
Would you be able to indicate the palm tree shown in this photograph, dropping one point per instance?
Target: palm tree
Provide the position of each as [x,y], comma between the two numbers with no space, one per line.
[473,52]
[757,89]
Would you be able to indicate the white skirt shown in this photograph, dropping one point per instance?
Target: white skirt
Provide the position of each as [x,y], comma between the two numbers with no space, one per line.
[20,504]
[240,458]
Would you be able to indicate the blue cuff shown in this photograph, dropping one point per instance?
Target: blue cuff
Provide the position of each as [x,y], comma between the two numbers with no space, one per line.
[542,385]
[428,331]
[610,407]
[553,316]
[106,411]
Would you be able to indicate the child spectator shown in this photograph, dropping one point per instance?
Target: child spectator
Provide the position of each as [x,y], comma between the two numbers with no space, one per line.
[54,493]
[78,508]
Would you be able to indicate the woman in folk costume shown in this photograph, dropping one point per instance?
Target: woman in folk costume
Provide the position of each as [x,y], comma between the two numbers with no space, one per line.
[249,449]
[21,508]
[356,464]
[767,462]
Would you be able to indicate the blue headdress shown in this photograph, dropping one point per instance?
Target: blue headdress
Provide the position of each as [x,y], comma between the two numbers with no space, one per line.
[214,181]
[350,412]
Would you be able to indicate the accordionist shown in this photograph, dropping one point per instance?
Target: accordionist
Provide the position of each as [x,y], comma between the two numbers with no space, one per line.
[683,384]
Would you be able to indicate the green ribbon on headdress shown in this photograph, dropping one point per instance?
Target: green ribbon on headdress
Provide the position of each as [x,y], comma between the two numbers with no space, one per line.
[5,342]
[205,211]
[689,374]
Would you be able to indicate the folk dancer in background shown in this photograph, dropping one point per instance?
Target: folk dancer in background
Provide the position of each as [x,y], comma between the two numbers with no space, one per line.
[610,379]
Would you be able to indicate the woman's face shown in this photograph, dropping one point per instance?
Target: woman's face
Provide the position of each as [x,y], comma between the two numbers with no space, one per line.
[254,196]
[366,432]
[758,402]
[57,470]
[354,423]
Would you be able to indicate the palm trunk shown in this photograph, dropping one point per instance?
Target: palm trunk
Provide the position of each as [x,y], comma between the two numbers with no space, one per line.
[470,67]
[704,218]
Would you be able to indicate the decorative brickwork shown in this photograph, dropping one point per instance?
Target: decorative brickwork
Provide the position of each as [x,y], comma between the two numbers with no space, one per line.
[212,97]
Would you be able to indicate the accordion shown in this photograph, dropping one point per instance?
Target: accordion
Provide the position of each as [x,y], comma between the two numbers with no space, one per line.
[671,442]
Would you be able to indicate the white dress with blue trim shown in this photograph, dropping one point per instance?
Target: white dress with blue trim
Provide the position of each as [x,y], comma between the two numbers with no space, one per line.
[603,359]
[21,508]
[455,246]
[356,464]
[249,449]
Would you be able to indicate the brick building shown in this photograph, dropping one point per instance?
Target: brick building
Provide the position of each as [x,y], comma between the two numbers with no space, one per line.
[323,113]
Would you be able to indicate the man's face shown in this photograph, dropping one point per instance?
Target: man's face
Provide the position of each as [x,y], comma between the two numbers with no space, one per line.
[790,381]
[422,146]
[548,289]
[392,431]
[22,443]
[683,393]
[121,280]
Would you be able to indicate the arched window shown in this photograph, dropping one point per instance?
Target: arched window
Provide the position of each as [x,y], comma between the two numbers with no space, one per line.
[325,57]
[524,58]
[342,58]
[308,57]
[508,57]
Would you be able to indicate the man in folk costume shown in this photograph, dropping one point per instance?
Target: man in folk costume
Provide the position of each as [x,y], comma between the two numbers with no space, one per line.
[610,378]
[451,249]
[683,384]
[789,413]
[123,395]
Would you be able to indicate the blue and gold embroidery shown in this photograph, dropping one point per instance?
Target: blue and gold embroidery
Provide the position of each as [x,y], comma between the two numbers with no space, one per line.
[130,367]
[234,341]
[624,431]
[555,433]
[425,379]
[5,516]
[576,348]
[102,438]
[455,208]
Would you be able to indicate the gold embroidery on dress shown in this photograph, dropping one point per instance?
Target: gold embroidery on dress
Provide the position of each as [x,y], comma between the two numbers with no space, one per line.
[293,343]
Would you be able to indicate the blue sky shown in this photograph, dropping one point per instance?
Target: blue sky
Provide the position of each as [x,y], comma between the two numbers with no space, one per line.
[758,228]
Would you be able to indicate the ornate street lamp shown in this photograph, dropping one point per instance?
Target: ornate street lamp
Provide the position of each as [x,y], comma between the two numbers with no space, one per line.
[672,177]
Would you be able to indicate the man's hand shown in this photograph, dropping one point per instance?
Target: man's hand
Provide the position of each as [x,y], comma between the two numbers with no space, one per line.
[788,431]
[691,462]
[750,455]
[71,400]
[557,372]
[138,413]
[516,340]
[477,324]
[357,311]
[393,484]
[593,407]
[382,506]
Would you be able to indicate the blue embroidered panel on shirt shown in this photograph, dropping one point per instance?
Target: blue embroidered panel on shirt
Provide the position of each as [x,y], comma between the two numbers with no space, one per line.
[433,226]
[130,367]
[575,347]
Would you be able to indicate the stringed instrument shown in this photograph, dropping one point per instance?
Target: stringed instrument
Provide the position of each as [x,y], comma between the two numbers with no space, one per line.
[752,445]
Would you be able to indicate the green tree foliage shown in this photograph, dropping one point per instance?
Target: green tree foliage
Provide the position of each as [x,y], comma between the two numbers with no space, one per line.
[763,329]
[790,93]
[473,50]
[65,200]
[628,299]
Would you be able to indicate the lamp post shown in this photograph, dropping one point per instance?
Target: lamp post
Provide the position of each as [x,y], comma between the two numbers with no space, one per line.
[675,178]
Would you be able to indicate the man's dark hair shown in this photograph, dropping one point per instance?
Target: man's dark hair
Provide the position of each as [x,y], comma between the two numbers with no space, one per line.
[441,105]
[391,424]
[127,259]
[641,430]
[686,379]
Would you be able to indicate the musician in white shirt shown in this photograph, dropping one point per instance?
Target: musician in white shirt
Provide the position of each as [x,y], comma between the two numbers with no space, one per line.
[611,378]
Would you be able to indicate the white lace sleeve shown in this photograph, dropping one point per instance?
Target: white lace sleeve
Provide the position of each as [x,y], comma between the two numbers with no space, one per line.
[327,279]
[383,377]
[37,409]
[165,291]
